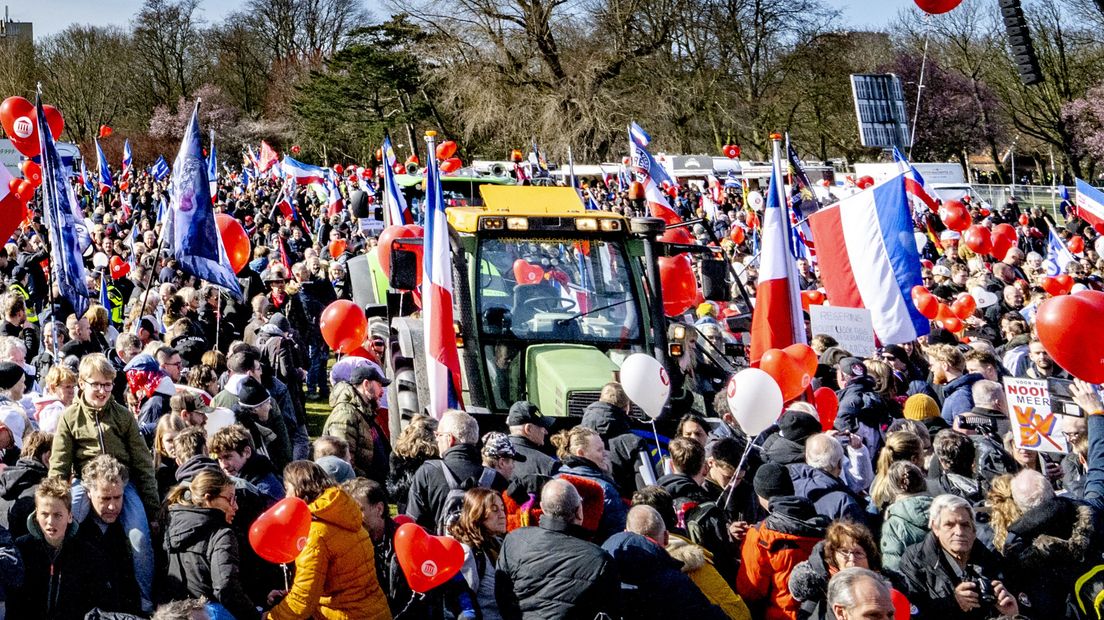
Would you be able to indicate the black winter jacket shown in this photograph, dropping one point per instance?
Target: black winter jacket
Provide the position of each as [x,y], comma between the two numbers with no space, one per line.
[203,559]
[624,446]
[59,584]
[536,461]
[17,487]
[931,580]
[653,584]
[429,488]
[550,573]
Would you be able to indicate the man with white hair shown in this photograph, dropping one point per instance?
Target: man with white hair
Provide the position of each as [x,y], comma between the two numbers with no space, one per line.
[1053,542]
[950,574]
[819,479]
[550,571]
[859,594]
[461,462]
[653,582]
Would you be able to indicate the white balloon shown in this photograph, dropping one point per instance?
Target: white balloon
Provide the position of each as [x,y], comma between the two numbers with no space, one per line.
[99,260]
[755,399]
[755,200]
[646,383]
[219,419]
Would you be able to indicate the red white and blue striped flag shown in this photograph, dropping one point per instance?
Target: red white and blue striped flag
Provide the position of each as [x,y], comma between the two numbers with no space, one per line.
[442,357]
[398,213]
[304,174]
[128,161]
[651,175]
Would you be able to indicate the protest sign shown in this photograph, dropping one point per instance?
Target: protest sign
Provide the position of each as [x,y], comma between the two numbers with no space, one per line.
[1034,425]
[851,327]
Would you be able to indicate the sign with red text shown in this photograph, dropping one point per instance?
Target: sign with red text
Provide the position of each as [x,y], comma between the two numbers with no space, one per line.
[1034,425]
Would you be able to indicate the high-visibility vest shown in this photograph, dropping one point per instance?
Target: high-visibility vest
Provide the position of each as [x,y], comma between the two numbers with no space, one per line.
[19,288]
[116,299]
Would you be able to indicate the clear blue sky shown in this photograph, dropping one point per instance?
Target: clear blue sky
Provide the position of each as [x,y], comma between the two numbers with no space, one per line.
[54,15]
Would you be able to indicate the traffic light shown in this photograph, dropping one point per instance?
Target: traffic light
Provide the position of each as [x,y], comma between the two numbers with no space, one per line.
[1019,41]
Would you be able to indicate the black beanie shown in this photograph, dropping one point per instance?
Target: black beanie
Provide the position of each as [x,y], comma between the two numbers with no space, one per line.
[772,480]
[9,374]
[797,426]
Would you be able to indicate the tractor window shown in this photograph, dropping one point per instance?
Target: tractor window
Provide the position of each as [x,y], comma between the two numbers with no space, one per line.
[567,290]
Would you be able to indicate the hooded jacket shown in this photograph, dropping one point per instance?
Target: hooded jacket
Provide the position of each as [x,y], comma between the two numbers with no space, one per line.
[829,494]
[905,524]
[1048,548]
[863,411]
[697,563]
[353,420]
[958,397]
[614,511]
[771,551]
[84,432]
[653,582]
[779,450]
[550,573]
[624,446]
[58,584]
[335,574]
[261,473]
[17,487]
[203,559]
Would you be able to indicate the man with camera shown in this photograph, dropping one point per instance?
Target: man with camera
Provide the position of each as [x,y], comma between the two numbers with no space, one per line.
[950,574]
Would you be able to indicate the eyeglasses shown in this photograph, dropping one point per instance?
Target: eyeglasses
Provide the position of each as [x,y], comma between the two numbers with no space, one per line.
[1072,435]
[851,554]
[104,387]
[232,500]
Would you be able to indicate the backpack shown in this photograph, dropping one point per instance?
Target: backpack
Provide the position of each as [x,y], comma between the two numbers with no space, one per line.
[703,523]
[454,500]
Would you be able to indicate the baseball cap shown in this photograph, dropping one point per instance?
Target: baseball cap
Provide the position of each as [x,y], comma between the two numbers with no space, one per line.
[941,270]
[368,372]
[852,367]
[525,412]
[498,446]
[185,401]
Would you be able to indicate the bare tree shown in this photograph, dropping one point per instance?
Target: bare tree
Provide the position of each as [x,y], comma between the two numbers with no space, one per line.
[167,40]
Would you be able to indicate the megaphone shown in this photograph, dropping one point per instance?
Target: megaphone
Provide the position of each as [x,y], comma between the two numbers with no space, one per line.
[411,168]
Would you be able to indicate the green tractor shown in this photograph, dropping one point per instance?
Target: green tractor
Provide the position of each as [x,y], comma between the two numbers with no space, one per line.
[548,300]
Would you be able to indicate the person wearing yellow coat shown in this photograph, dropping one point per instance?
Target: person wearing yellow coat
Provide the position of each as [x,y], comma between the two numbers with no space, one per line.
[697,563]
[335,574]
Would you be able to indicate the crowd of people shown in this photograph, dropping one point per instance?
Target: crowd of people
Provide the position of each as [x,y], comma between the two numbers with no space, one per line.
[119,496]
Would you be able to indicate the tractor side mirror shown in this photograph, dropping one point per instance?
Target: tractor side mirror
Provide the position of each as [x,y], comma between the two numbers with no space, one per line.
[404,269]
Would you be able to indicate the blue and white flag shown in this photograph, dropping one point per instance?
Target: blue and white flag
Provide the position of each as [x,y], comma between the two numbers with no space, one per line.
[86,180]
[398,212]
[105,299]
[212,168]
[58,207]
[638,135]
[190,225]
[160,169]
[104,170]
[128,159]
[1058,255]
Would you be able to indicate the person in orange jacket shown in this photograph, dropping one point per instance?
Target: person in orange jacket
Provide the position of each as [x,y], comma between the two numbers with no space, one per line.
[776,545]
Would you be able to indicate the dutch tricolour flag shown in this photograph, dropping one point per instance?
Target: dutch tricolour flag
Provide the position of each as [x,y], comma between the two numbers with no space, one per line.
[442,358]
[874,262]
[650,174]
[398,213]
[304,174]
[1090,203]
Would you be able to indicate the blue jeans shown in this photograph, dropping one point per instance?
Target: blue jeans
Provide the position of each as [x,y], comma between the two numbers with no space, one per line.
[133,519]
[317,381]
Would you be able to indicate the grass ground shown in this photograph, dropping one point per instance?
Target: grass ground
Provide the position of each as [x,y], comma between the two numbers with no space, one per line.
[317,410]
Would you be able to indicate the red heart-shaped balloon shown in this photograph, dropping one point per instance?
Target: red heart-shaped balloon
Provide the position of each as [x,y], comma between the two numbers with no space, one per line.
[1053,286]
[54,120]
[32,172]
[786,371]
[1073,334]
[964,306]
[1065,282]
[427,561]
[827,405]
[925,302]
[527,273]
[280,533]
[806,357]
[17,117]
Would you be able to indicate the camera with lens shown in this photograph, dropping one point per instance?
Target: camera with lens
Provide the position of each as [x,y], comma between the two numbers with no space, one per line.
[987,597]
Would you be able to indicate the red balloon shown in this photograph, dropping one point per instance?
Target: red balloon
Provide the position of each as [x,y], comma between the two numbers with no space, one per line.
[1076,244]
[805,355]
[119,267]
[811,298]
[235,240]
[337,247]
[865,181]
[677,281]
[427,561]
[343,325]
[731,151]
[1065,281]
[954,215]
[106,131]
[937,7]
[791,373]
[1004,239]
[752,220]
[13,212]
[451,165]
[1073,334]
[32,172]
[339,169]
[386,240]
[677,235]
[399,168]
[446,149]
[295,149]
[952,324]
[25,191]
[978,240]
[1024,220]
[964,307]
[17,116]
[280,533]
[527,273]
[1099,228]
[925,302]
[738,235]
[1053,287]
[54,120]
[366,173]
[902,608]
[827,405]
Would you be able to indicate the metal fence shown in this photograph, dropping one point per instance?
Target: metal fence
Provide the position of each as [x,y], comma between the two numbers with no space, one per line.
[1045,197]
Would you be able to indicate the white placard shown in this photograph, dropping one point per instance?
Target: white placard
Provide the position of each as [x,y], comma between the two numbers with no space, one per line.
[1034,425]
[851,327]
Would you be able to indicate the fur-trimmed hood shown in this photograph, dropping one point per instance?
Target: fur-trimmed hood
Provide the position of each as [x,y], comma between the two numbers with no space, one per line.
[692,556]
[1058,532]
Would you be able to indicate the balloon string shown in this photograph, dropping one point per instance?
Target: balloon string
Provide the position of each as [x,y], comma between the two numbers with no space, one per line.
[743,458]
[287,577]
[413,596]
[659,448]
